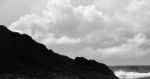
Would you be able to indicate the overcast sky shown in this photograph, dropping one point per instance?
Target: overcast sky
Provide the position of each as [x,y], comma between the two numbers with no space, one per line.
[115,32]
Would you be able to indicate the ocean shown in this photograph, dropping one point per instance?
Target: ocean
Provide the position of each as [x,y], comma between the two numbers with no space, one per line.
[131,72]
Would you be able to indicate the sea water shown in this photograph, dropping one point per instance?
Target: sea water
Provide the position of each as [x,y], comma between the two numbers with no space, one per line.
[132,72]
[132,75]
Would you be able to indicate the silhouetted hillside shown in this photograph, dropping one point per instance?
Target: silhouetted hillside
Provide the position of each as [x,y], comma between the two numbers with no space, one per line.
[21,55]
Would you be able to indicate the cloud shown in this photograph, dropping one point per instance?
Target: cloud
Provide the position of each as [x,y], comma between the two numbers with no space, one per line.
[111,6]
[2,1]
[131,48]
[62,40]
[115,29]
[11,10]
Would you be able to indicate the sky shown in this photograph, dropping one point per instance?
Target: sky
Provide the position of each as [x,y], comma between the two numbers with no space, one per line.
[114,32]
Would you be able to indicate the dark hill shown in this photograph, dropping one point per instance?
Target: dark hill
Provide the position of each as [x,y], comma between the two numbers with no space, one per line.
[21,55]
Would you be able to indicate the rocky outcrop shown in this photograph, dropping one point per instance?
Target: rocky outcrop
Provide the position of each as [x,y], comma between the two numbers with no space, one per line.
[21,55]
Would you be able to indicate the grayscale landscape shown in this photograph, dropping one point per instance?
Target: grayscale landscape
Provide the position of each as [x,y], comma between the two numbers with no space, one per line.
[74,39]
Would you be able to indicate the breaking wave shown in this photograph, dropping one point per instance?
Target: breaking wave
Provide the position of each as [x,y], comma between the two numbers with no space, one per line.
[131,75]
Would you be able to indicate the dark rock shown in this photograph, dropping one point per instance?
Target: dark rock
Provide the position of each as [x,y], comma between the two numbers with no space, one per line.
[20,54]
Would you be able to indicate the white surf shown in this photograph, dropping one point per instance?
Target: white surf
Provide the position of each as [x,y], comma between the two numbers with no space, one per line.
[130,75]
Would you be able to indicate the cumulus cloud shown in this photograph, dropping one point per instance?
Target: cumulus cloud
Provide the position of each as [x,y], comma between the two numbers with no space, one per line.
[62,40]
[93,29]
[131,48]
[11,10]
